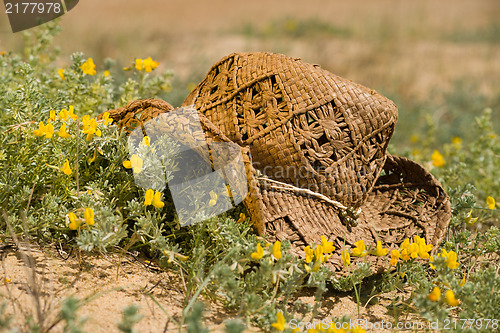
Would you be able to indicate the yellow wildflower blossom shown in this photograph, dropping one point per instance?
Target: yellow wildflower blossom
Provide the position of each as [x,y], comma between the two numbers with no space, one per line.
[280,322]
[437,159]
[61,73]
[327,246]
[379,251]
[469,219]
[47,130]
[450,298]
[146,141]
[90,127]
[73,222]
[135,163]
[435,295]
[462,283]
[157,200]
[66,168]
[490,201]
[106,73]
[148,199]
[360,249]
[346,257]
[213,198]
[88,67]
[318,253]
[259,253]
[451,259]
[89,216]
[423,248]
[139,64]
[105,117]
[52,116]
[242,218]
[277,250]
[457,141]
[150,64]
[309,253]
[70,113]
[62,132]
[395,255]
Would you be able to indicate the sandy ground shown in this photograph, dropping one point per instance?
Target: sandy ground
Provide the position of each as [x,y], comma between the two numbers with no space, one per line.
[108,283]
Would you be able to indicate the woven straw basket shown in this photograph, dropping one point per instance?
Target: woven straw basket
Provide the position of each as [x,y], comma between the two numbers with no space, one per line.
[314,145]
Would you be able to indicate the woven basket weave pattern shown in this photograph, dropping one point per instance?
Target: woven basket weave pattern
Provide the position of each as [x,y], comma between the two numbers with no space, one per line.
[298,116]
[308,129]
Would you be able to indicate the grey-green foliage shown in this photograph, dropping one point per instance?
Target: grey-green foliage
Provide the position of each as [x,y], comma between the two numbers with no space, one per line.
[130,317]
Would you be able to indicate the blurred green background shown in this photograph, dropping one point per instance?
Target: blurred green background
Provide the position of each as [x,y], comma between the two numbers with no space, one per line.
[438,60]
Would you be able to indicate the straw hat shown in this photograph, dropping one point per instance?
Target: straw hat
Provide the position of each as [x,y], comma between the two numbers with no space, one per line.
[315,151]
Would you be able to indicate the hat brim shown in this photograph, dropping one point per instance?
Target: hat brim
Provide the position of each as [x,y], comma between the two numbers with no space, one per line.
[406,201]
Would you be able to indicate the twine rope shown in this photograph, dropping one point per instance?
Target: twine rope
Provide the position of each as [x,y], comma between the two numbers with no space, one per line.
[285,186]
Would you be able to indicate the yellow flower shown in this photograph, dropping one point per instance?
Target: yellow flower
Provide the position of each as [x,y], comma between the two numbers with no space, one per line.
[451,259]
[359,250]
[431,260]
[318,253]
[346,257]
[106,73]
[277,250]
[450,298]
[379,251]
[309,253]
[47,130]
[435,295]
[146,141]
[135,163]
[259,253]
[62,132]
[7,280]
[457,141]
[395,255]
[65,114]
[242,218]
[90,127]
[89,216]
[61,73]
[413,250]
[105,117]
[148,200]
[71,113]
[327,246]
[423,248]
[157,200]
[490,201]
[280,322]
[462,283]
[66,168]
[88,67]
[52,116]
[405,250]
[414,138]
[127,164]
[41,129]
[139,64]
[150,64]
[437,159]
[469,219]
[213,198]
[73,222]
